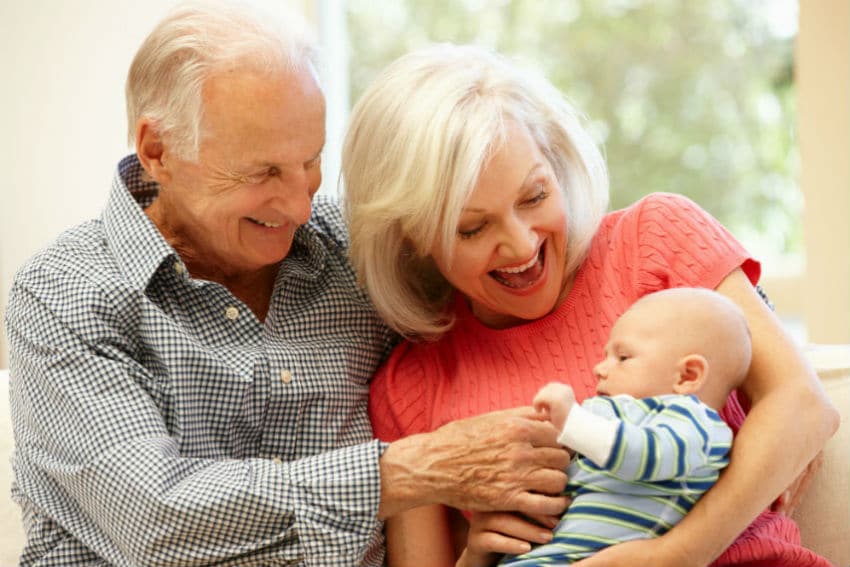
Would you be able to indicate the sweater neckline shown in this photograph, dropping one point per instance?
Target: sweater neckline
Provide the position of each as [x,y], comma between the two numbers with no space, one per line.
[466,319]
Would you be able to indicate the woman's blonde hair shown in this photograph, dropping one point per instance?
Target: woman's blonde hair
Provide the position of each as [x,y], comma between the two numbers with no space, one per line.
[418,140]
[166,78]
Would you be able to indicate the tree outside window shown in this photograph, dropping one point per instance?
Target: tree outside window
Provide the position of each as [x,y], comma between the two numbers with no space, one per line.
[694,98]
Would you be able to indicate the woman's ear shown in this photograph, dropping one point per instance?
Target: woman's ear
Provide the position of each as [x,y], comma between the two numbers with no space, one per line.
[693,370]
[150,150]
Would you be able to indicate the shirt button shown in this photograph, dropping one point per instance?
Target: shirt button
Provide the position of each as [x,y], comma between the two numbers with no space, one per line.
[285,376]
[178,267]
[231,313]
[277,461]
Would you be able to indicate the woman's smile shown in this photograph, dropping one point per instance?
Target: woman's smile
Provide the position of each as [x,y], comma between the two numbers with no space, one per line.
[523,276]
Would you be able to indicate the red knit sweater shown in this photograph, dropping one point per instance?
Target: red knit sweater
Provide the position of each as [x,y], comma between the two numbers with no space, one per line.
[660,242]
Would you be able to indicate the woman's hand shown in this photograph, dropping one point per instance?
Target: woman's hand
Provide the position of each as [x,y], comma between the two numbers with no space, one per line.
[658,552]
[792,496]
[493,534]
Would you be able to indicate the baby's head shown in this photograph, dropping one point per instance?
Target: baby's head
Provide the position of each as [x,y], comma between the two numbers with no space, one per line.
[677,341]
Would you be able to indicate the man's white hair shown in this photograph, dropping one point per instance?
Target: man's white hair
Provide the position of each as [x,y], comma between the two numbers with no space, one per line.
[167,76]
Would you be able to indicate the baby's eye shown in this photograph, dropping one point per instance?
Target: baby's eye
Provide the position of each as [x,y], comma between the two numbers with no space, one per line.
[623,357]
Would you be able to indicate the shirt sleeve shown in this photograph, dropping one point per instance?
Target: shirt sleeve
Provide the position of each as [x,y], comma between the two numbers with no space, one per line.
[95,455]
[681,245]
[676,441]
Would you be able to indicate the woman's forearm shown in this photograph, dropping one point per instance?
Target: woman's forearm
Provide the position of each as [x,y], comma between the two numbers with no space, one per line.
[789,422]
[769,452]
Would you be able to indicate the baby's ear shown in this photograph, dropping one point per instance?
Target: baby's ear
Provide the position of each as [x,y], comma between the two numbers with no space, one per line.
[693,370]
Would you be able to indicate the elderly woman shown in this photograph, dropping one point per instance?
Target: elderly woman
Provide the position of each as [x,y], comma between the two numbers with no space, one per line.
[477,209]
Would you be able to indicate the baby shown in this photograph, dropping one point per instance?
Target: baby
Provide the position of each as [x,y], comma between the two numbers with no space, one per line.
[651,443]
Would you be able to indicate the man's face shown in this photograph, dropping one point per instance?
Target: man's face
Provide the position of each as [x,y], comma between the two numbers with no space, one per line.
[235,210]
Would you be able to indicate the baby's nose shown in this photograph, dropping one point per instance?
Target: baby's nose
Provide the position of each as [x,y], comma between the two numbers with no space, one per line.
[599,369]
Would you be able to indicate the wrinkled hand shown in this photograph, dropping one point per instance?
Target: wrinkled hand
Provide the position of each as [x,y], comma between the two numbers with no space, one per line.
[493,534]
[555,400]
[508,460]
[788,501]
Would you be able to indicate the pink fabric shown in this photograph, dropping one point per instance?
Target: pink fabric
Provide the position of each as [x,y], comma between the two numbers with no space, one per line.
[660,242]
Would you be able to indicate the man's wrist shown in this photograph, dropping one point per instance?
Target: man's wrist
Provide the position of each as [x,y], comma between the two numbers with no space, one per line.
[401,489]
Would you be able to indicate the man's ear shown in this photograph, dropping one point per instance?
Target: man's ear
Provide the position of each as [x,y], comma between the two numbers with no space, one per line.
[693,370]
[150,150]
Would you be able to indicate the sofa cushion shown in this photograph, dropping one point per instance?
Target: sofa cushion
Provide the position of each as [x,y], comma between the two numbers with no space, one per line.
[824,512]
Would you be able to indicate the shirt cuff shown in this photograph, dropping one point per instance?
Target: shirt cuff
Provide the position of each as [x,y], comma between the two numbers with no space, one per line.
[337,495]
[589,434]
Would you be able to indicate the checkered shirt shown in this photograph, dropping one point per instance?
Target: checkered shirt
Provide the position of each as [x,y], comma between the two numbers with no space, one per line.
[159,422]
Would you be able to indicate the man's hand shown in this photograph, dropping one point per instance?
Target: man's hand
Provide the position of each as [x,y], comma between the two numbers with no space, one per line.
[501,461]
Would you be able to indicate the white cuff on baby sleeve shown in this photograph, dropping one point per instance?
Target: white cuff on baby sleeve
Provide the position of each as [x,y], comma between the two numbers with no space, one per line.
[589,434]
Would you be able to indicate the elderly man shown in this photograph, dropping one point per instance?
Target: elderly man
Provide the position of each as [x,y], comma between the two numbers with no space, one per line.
[190,370]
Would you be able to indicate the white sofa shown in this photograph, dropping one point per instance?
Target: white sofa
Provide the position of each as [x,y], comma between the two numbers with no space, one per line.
[824,514]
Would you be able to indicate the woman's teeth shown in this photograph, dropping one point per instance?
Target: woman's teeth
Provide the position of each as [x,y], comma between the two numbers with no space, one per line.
[519,269]
[520,277]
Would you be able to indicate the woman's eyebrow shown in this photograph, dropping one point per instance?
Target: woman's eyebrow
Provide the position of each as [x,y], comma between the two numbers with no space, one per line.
[531,173]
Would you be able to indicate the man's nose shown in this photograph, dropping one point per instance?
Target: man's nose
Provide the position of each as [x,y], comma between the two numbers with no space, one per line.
[297,191]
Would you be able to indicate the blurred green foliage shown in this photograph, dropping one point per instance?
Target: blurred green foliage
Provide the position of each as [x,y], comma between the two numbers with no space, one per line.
[691,97]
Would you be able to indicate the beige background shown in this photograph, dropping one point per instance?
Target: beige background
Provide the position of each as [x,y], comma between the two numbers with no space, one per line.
[62,114]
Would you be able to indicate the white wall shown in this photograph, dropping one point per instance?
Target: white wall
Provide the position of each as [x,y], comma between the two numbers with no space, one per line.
[62,115]
[823,100]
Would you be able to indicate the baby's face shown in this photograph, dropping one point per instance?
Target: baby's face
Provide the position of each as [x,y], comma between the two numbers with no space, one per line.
[639,358]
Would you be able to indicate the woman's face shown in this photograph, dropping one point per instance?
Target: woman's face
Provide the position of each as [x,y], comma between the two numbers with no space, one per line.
[511,241]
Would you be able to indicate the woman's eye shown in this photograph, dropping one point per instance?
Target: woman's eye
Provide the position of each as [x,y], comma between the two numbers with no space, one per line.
[623,358]
[465,234]
[538,197]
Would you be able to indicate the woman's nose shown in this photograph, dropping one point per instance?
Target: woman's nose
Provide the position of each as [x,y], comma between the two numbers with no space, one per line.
[518,240]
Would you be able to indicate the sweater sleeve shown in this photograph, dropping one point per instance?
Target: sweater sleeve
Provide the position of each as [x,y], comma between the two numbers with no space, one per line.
[681,245]
[400,394]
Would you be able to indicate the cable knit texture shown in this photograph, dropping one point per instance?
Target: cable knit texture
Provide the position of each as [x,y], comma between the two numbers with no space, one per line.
[660,242]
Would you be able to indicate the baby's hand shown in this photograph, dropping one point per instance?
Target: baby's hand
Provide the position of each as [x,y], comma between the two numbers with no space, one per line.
[555,400]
